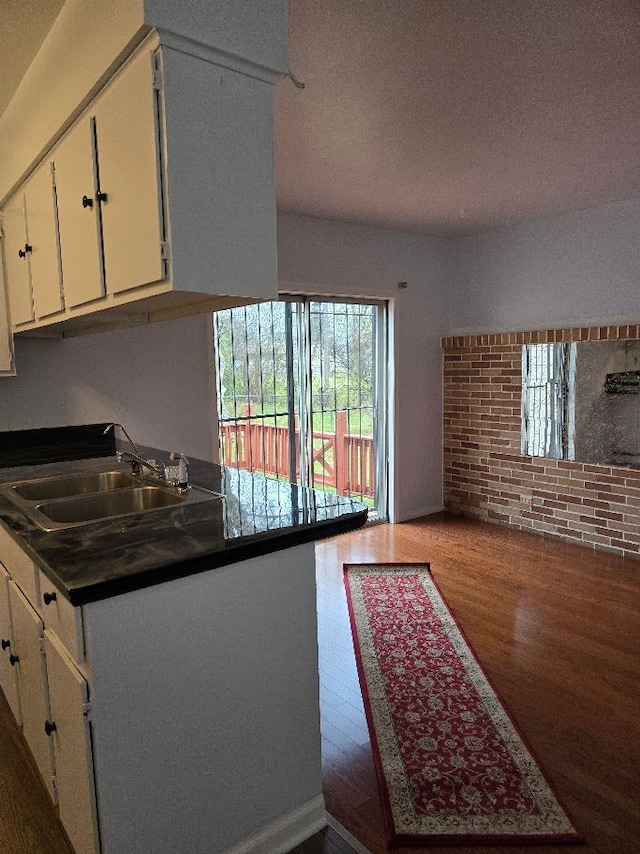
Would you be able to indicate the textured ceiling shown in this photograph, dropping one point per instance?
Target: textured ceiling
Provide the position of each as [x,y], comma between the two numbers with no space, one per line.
[451,116]
[443,117]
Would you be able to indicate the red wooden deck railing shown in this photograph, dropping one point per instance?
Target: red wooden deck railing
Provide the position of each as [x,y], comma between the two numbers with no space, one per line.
[341,461]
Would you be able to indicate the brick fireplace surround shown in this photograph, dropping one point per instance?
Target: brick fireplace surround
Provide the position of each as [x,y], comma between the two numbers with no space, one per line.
[486,476]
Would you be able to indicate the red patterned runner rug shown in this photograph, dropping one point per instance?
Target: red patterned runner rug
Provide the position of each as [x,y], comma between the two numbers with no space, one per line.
[451,766]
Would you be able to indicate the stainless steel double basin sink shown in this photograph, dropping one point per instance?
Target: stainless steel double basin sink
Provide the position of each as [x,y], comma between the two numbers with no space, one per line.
[66,501]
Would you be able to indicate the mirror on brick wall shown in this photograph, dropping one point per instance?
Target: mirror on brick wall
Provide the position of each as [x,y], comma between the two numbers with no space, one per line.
[581,401]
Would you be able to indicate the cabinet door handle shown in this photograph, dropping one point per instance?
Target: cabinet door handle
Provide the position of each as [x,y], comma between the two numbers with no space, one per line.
[5,643]
[22,253]
[14,659]
[49,727]
[48,598]
[27,248]
[101,197]
[87,202]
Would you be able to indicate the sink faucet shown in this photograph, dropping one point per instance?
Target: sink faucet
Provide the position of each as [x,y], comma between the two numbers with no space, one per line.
[137,460]
[113,426]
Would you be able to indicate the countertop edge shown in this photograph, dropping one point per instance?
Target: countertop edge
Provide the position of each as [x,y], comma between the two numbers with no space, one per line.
[262,546]
[155,571]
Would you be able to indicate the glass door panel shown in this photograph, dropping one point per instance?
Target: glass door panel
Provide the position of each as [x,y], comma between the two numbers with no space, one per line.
[302,394]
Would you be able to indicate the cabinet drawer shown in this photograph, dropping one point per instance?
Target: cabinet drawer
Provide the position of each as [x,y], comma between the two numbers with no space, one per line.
[61,617]
[21,569]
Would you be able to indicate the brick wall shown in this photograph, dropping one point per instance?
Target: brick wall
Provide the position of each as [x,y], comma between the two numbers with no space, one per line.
[486,476]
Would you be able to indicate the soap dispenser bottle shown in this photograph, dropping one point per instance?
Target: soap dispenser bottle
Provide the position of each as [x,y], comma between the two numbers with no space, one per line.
[183,472]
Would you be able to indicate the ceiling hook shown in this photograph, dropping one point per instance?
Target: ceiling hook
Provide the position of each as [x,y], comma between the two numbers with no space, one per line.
[297,83]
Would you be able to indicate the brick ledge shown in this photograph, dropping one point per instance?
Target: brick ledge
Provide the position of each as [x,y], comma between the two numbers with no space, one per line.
[547,336]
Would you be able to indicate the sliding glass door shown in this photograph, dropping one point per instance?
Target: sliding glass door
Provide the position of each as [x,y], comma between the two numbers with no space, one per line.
[302,394]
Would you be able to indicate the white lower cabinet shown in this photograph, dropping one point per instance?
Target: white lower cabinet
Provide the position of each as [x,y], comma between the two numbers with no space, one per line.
[28,631]
[40,660]
[155,710]
[71,739]
[8,663]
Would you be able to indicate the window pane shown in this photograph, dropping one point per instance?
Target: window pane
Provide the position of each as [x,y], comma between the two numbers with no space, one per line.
[298,386]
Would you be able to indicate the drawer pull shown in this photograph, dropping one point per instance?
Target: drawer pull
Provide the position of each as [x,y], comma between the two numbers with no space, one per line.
[14,659]
[48,598]
[5,643]
[49,727]
[87,202]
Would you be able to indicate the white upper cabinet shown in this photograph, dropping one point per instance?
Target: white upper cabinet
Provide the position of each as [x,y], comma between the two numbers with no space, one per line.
[129,168]
[31,249]
[14,227]
[79,215]
[109,194]
[163,201]
[44,249]
[6,337]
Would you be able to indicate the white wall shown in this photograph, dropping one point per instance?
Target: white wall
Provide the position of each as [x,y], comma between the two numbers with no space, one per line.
[153,379]
[256,31]
[581,269]
[325,257]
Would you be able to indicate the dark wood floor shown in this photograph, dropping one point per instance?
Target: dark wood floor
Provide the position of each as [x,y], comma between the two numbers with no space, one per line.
[557,628]
[28,821]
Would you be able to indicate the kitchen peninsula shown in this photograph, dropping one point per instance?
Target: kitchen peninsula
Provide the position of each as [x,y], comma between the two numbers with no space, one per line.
[177,709]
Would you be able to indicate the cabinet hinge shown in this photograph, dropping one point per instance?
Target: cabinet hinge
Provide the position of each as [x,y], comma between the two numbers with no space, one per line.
[165,251]
[86,710]
[157,77]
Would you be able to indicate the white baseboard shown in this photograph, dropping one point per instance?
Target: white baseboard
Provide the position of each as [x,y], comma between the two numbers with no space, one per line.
[423,511]
[286,831]
[349,838]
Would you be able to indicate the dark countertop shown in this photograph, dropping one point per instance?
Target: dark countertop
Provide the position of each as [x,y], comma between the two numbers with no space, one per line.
[102,559]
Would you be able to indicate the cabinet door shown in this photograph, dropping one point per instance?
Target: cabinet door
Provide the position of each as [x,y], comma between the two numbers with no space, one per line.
[72,747]
[42,237]
[6,336]
[79,215]
[16,262]
[32,682]
[8,673]
[128,158]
